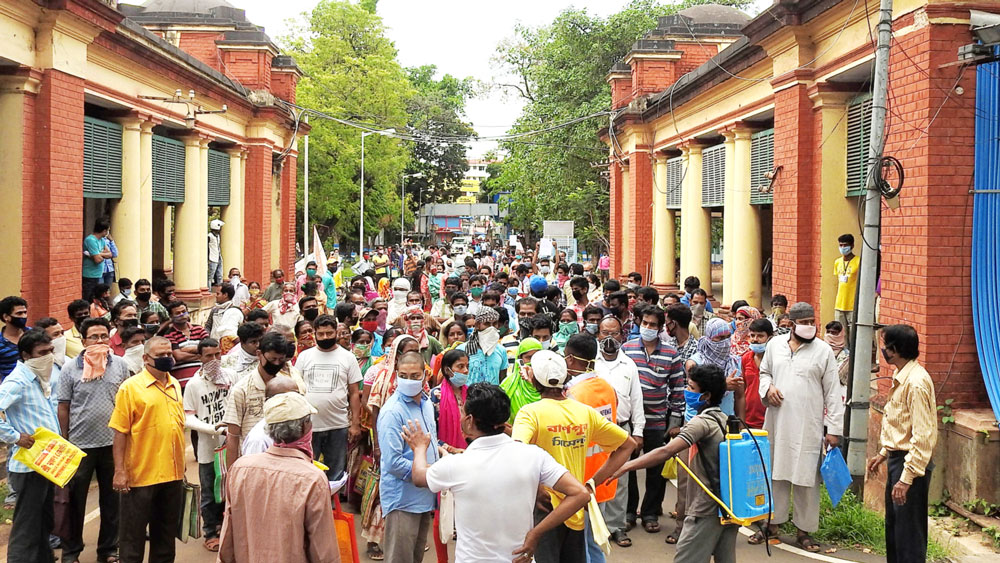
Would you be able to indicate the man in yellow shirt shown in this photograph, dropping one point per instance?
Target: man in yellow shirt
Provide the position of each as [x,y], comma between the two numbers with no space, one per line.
[846,270]
[565,428]
[148,420]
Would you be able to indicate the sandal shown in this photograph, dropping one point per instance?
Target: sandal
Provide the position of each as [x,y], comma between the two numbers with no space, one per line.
[211,544]
[758,537]
[672,537]
[651,526]
[375,552]
[629,524]
[806,542]
[621,538]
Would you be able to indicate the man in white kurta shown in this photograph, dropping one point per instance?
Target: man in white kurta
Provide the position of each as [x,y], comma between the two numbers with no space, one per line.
[800,387]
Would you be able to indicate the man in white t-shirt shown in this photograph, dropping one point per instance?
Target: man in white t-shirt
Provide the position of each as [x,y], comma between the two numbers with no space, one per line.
[495,482]
[204,406]
[333,379]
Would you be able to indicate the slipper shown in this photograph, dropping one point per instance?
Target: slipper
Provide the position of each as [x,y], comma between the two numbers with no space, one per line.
[375,552]
[621,538]
[807,543]
[651,526]
[211,544]
[629,524]
[672,537]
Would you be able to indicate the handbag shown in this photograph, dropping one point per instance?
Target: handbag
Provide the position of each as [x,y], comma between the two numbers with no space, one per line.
[220,467]
[446,516]
[367,472]
[189,520]
[836,475]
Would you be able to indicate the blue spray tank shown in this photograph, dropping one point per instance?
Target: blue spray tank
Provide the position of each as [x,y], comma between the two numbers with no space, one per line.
[744,473]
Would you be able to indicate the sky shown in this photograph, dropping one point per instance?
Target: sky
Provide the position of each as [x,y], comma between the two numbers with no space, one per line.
[459,37]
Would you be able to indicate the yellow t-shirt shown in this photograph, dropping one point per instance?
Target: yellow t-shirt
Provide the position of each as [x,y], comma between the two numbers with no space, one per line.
[847,282]
[564,429]
[152,416]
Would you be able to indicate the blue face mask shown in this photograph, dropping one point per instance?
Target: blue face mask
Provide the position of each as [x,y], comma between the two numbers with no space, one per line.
[458,378]
[409,387]
[648,334]
[694,400]
[592,328]
[845,250]
[758,348]
[469,331]
[512,291]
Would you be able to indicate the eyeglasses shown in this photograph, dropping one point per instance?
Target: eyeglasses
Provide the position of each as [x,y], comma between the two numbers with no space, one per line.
[99,337]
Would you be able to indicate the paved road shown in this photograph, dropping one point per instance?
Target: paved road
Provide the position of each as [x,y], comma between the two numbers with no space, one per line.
[646,548]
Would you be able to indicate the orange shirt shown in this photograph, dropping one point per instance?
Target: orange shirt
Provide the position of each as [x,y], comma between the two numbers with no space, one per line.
[599,395]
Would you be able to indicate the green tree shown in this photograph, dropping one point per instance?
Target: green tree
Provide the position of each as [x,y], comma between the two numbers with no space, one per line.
[351,72]
[559,70]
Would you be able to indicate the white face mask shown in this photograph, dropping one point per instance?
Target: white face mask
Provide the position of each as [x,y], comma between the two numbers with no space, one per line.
[133,358]
[42,368]
[805,332]
[59,350]
[235,280]
[488,339]
[399,296]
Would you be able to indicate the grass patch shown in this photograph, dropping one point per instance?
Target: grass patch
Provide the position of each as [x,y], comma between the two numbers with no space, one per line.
[851,525]
[5,514]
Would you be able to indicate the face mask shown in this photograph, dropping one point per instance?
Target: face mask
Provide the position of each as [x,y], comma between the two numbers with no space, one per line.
[133,357]
[461,309]
[885,356]
[41,366]
[845,250]
[632,285]
[143,296]
[577,295]
[326,343]
[698,310]
[272,369]
[545,269]
[370,326]
[399,296]
[758,348]
[416,326]
[288,298]
[547,345]
[512,291]
[476,291]
[59,350]
[310,314]
[777,310]
[163,363]
[610,345]
[409,387]
[150,328]
[130,323]
[311,272]
[693,399]
[254,291]
[19,322]
[235,280]
[303,444]
[469,331]
[592,328]
[648,334]
[458,378]
[360,350]
[489,338]
[279,280]
[126,292]
[805,333]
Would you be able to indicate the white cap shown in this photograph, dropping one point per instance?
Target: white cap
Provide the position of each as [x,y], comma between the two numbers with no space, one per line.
[216,224]
[549,369]
[284,407]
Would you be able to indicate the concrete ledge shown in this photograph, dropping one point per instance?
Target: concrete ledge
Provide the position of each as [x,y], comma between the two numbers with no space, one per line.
[967,548]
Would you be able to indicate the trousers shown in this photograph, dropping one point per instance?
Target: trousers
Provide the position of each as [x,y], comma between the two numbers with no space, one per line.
[806,504]
[158,506]
[560,545]
[704,538]
[102,462]
[406,536]
[906,524]
[332,445]
[614,509]
[33,519]
[211,511]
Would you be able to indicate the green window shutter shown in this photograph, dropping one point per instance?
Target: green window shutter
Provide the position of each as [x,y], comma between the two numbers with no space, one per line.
[675,179]
[168,170]
[761,162]
[218,178]
[102,159]
[859,120]
[713,176]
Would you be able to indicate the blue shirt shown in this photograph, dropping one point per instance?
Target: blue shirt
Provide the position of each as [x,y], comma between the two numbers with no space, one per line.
[26,409]
[486,368]
[686,299]
[94,246]
[8,356]
[109,263]
[396,488]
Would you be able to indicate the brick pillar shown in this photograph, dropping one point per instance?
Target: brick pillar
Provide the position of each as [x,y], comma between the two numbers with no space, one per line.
[53,204]
[288,191]
[257,213]
[639,227]
[795,265]
[617,234]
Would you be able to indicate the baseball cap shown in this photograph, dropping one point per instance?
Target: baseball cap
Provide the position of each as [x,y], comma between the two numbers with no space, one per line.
[549,369]
[538,284]
[284,407]
[216,224]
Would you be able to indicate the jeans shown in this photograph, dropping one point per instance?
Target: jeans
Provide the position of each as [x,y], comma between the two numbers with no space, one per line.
[594,553]
[102,462]
[33,519]
[211,511]
[906,524]
[214,273]
[158,506]
[108,277]
[332,445]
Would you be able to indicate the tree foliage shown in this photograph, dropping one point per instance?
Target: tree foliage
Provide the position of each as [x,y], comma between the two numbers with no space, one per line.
[559,70]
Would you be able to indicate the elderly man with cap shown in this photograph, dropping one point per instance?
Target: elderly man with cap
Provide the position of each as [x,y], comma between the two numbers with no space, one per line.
[487,359]
[801,388]
[215,253]
[567,430]
[282,486]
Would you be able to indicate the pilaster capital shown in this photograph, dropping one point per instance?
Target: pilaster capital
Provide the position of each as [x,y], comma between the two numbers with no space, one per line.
[20,80]
[828,94]
[235,151]
[691,147]
[194,139]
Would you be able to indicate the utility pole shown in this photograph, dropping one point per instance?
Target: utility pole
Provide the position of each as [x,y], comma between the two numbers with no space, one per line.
[305,189]
[864,333]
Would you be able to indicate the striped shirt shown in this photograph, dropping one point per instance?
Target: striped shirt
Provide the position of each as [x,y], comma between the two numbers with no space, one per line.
[8,356]
[183,371]
[25,409]
[909,422]
[661,375]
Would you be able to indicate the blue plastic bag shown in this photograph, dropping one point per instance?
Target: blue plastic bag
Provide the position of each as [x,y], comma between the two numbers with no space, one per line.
[835,474]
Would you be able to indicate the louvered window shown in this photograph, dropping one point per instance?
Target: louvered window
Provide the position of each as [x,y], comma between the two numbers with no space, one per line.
[761,162]
[675,178]
[168,170]
[218,178]
[859,126]
[102,159]
[713,176]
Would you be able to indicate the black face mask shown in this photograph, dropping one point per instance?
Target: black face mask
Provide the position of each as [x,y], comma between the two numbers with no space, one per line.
[272,369]
[128,323]
[143,296]
[310,314]
[326,343]
[577,294]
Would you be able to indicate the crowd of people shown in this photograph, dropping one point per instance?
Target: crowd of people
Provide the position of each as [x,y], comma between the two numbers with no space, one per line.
[508,397]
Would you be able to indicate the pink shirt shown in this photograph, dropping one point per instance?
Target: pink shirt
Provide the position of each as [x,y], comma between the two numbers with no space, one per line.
[604,263]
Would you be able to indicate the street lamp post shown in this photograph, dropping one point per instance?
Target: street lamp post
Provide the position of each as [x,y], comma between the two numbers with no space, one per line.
[402,204]
[361,229]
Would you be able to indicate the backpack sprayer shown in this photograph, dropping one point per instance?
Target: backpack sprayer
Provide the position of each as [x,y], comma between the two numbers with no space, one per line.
[744,482]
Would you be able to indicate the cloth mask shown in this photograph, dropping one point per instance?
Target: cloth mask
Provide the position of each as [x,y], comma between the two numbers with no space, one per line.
[133,357]
[698,310]
[164,363]
[95,361]
[476,291]
[399,296]
[360,350]
[488,339]
[648,334]
[59,350]
[303,444]
[212,371]
[326,343]
[694,400]
[805,333]
[311,272]
[758,348]
[19,322]
[592,328]
[458,378]
[272,369]
[42,368]
[370,326]
[310,314]
[409,387]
